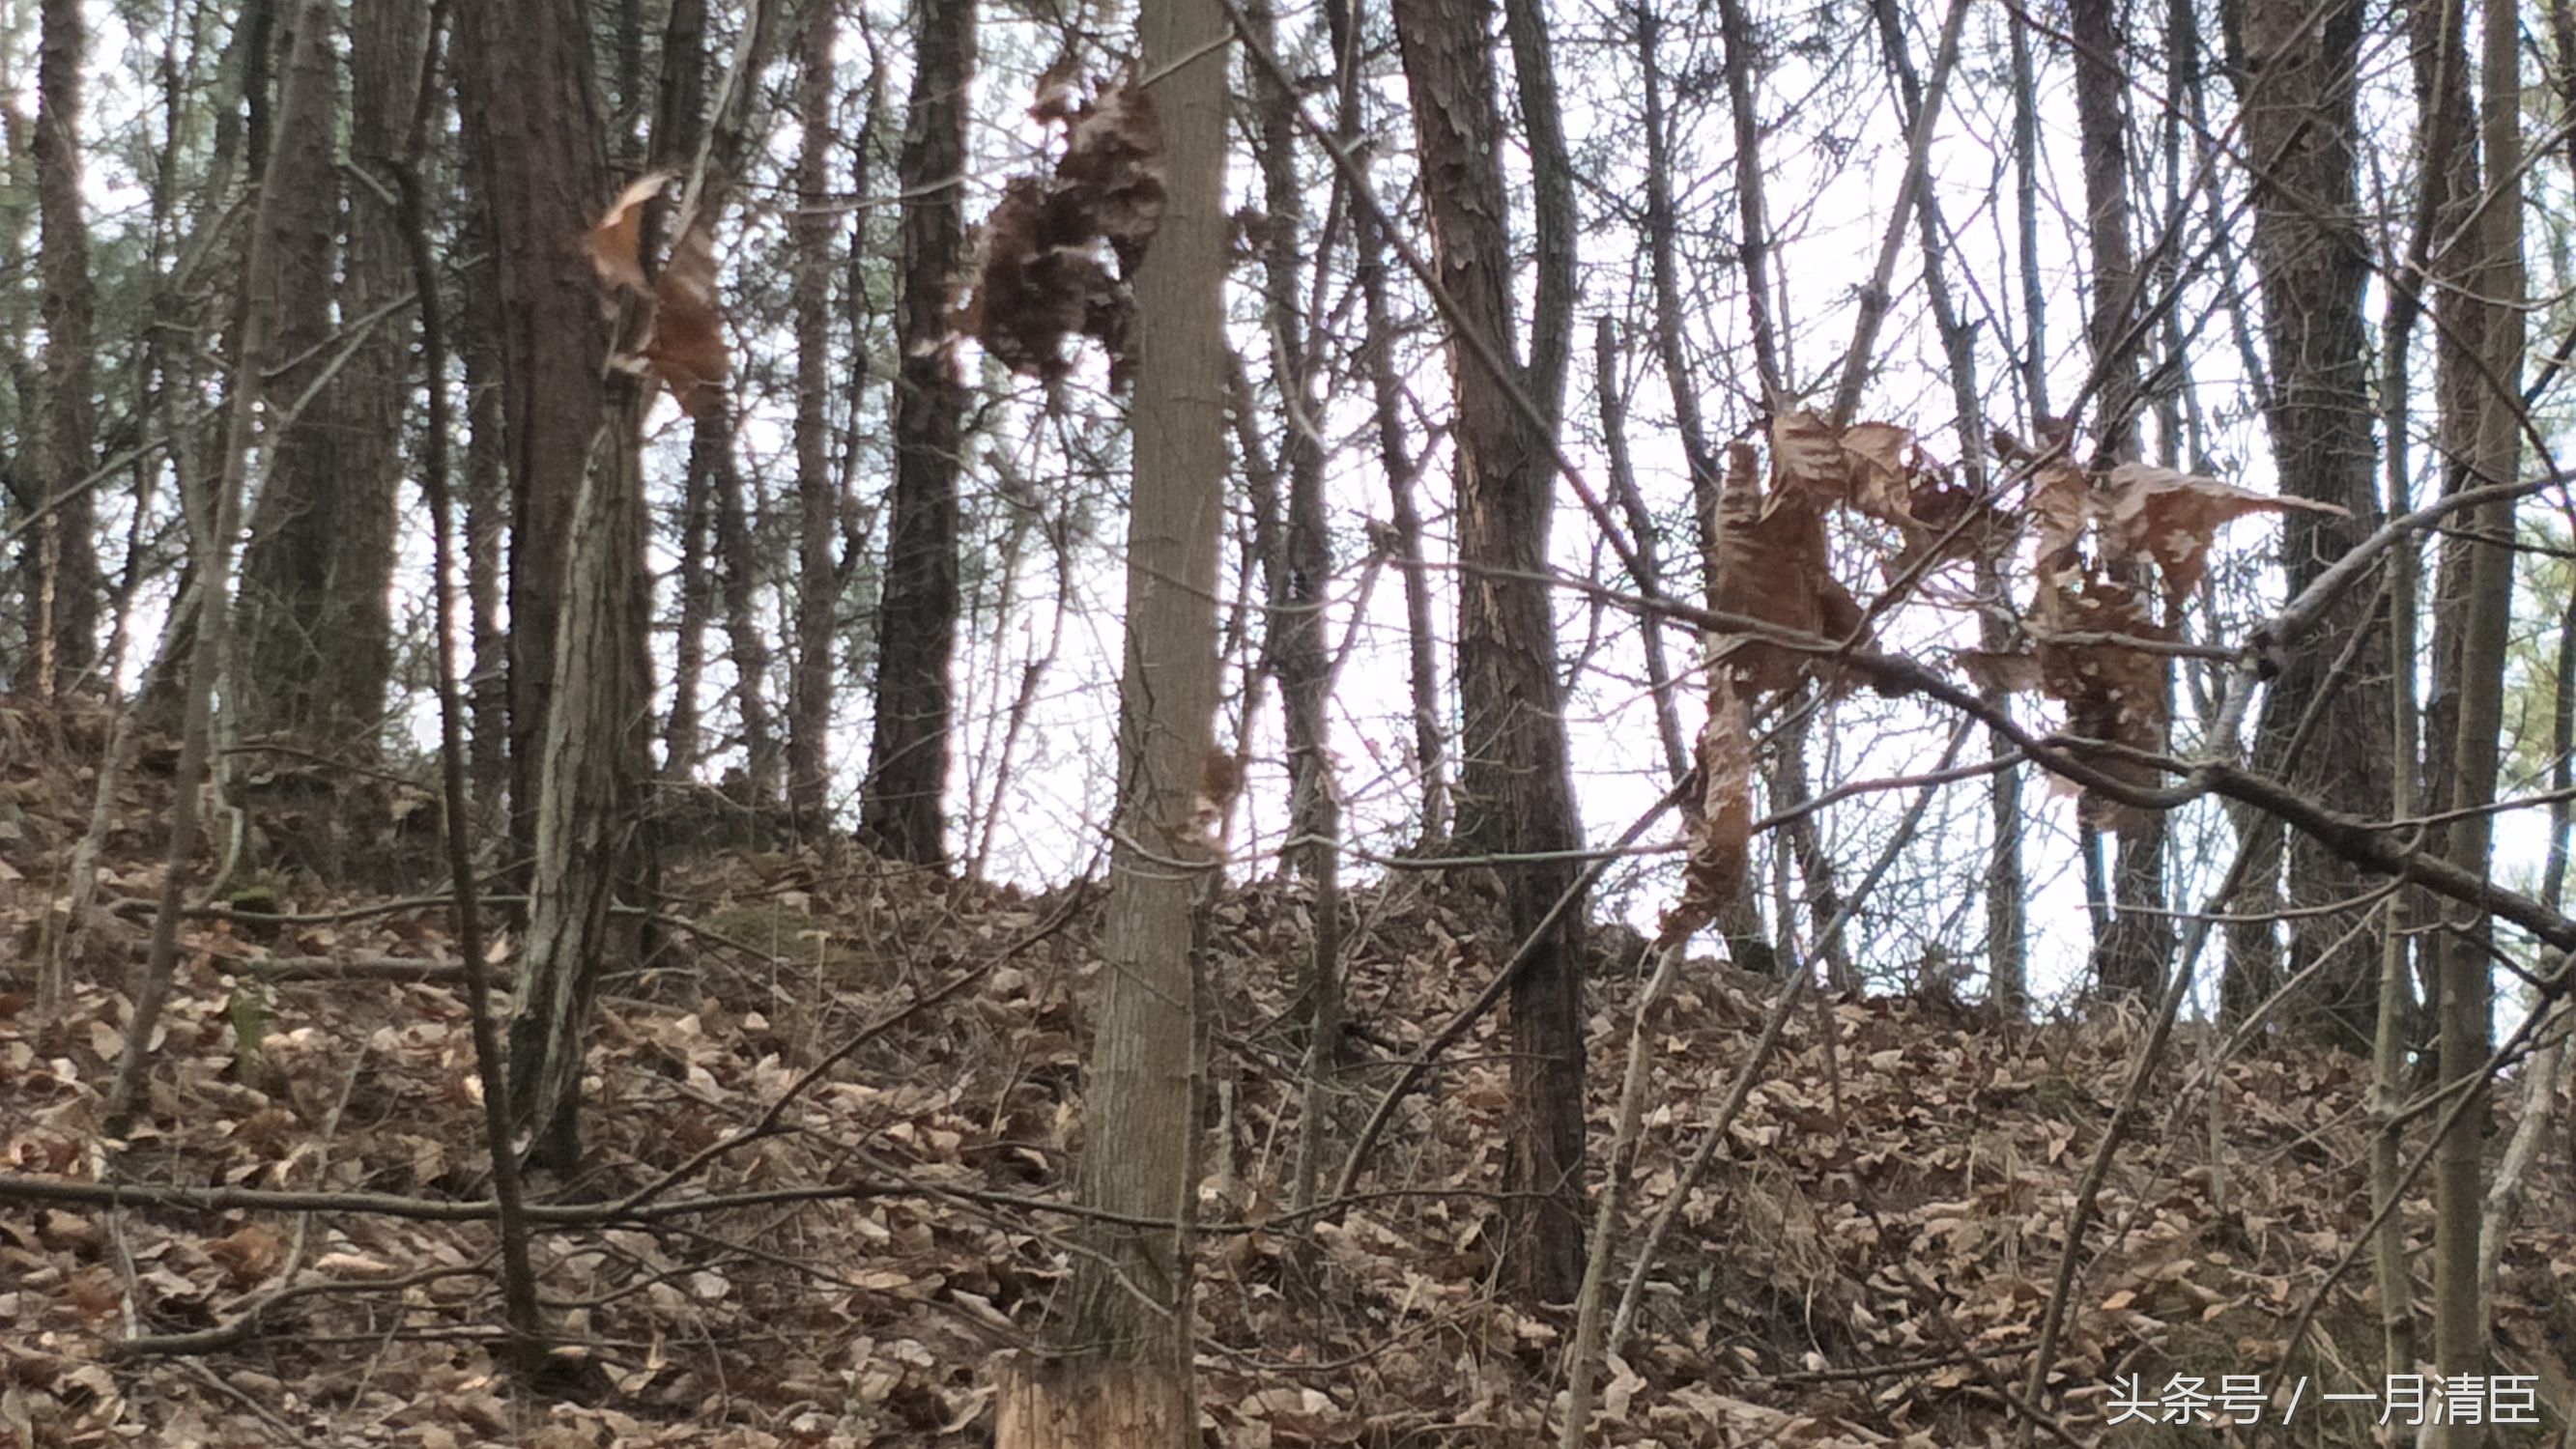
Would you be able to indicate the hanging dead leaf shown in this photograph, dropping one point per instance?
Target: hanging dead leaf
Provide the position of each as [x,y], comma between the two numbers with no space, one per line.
[2001,671]
[2061,499]
[1113,170]
[1030,293]
[1806,456]
[1717,809]
[2112,692]
[683,345]
[1775,569]
[2173,517]
[1879,469]
[616,245]
[1058,91]
[687,343]
[1039,277]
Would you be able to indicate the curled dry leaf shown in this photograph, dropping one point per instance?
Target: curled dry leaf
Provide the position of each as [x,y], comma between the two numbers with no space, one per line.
[687,343]
[1773,567]
[2112,692]
[1038,277]
[2172,517]
[683,346]
[1717,811]
[1113,168]
[616,245]
[1880,470]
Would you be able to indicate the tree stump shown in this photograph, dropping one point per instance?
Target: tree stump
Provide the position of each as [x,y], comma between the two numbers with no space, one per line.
[1089,1404]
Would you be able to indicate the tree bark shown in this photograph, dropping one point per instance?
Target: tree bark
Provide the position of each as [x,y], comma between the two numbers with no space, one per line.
[2309,252]
[2460,1324]
[2130,958]
[2007,972]
[534,144]
[1126,1384]
[487,510]
[60,566]
[1515,796]
[535,161]
[902,804]
[810,234]
[313,646]
[1296,614]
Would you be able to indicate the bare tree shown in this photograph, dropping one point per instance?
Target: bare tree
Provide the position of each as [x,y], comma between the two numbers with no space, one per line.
[902,806]
[810,233]
[59,568]
[2298,107]
[1515,796]
[1127,1385]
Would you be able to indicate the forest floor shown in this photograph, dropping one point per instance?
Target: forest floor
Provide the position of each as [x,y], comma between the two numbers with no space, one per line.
[758,1253]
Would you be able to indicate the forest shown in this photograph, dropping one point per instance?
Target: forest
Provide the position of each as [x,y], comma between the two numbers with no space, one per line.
[1237,724]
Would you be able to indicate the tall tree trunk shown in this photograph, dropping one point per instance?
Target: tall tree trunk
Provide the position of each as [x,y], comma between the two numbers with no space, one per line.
[2460,1325]
[738,574]
[1515,797]
[1296,613]
[589,805]
[2129,959]
[213,519]
[487,510]
[535,160]
[683,732]
[1748,941]
[1128,1385]
[810,234]
[2007,975]
[387,39]
[902,804]
[534,145]
[313,651]
[2309,252]
[60,571]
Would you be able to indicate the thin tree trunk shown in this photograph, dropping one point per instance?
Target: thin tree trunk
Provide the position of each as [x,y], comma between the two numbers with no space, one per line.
[1516,797]
[214,522]
[1735,33]
[2299,109]
[1296,614]
[306,671]
[1641,527]
[2132,958]
[61,571]
[2460,1327]
[809,232]
[683,734]
[902,804]
[738,581]
[1128,1385]
[1748,943]
[2007,972]
[487,508]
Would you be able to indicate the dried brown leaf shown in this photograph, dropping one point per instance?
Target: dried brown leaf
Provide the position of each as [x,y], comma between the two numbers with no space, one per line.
[2112,692]
[1775,569]
[1039,277]
[2003,671]
[1718,816]
[616,245]
[2172,517]
[687,343]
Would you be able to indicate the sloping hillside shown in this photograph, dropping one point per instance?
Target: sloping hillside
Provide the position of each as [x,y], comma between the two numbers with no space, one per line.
[833,1119]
